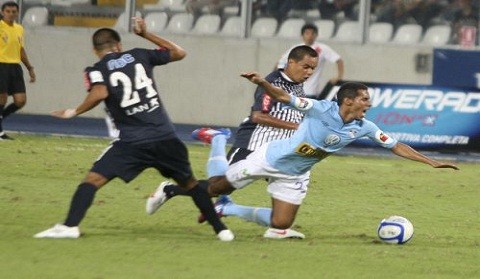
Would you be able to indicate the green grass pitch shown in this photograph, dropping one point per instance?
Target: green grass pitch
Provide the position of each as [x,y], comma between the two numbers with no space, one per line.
[347,198]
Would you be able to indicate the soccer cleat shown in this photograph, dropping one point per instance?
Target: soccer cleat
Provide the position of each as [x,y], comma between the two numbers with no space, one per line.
[59,231]
[219,205]
[280,234]
[5,137]
[226,235]
[207,134]
[157,198]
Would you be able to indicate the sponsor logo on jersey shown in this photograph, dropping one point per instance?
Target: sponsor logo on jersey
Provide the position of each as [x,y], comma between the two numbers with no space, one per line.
[120,62]
[267,100]
[331,139]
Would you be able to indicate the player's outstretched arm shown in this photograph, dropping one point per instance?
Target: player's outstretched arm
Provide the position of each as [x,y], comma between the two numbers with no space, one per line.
[140,28]
[408,152]
[97,94]
[275,92]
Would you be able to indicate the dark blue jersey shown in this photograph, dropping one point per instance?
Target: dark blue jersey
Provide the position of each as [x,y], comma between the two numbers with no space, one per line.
[133,101]
[251,135]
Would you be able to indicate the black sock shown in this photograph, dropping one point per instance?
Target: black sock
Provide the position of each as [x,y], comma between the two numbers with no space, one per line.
[81,201]
[204,203]
[1,118]
[175,190]
[9,110]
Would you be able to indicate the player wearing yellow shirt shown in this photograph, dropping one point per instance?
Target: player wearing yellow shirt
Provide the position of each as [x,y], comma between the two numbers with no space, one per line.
[12,52]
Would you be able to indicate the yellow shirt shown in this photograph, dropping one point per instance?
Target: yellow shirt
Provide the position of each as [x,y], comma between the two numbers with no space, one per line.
[11,42]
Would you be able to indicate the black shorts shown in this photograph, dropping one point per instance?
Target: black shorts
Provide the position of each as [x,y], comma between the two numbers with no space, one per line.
[237,154]
[11,78]
[127,161]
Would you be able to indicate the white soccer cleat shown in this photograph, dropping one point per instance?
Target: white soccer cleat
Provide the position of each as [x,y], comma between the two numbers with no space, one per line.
[281,234]
[59,231]
[157,198]
[226,235]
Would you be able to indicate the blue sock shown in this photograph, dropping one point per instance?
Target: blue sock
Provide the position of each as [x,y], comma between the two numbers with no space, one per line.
[259,215]
[217,164]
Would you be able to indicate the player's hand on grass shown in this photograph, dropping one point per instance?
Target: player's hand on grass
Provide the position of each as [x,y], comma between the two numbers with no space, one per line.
[139,26]
[64,113]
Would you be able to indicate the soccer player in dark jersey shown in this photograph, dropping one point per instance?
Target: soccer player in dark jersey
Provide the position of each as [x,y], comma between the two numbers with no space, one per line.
[124,81]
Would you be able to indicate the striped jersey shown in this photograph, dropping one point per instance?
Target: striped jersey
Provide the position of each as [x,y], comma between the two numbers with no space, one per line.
[251,135]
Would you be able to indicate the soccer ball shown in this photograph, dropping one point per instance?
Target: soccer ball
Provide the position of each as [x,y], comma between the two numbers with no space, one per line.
[395,230]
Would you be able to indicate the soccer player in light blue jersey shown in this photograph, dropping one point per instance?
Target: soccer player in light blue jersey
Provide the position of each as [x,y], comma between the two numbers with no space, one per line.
[326,128]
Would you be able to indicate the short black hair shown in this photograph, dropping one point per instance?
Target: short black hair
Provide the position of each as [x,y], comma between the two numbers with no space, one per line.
[9,4]
[349,90]
[105,38]
[299,52]
[309,26]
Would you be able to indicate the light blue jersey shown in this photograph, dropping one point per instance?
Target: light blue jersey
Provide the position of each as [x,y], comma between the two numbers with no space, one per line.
[321,133]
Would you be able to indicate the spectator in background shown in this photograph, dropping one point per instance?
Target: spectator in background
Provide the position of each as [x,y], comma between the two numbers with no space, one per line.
[12,52]
[195,7]
[313,85]
[330,8]
[465,22]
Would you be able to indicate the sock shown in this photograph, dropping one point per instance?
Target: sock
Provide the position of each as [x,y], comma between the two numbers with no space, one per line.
[217,164]
[175,190]
[204,203]
[9,110]
[81,201]
[259,215]
[1,118]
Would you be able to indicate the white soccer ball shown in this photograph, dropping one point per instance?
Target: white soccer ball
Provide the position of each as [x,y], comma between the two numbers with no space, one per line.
[395,230]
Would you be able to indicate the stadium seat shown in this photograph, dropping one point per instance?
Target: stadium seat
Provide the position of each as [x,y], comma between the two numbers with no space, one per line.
[176,6]
[325,28]
[264,27]
[231,11]
[408,34]
[349,31]
[207,24]
[180,23]
[120,25]
[313,13]
[156,21]
[380,32]
[291,28]
[35,16]
[437,35]
[232,27]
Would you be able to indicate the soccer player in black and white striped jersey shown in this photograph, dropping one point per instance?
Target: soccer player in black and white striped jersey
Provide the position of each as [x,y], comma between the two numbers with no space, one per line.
[270,120]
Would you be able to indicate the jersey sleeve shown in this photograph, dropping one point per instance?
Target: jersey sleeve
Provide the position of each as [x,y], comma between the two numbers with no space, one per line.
[159,56]
[92,76]
[378,136]
[330,55]
[282,63]
[263,102]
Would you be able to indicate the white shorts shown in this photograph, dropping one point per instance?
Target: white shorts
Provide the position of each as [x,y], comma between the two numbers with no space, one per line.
[284,187]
